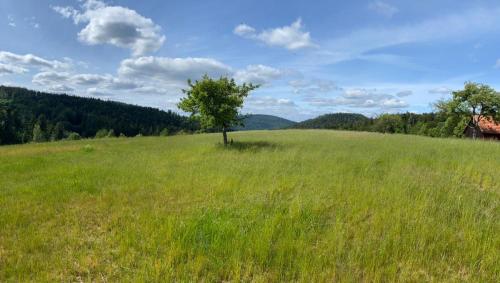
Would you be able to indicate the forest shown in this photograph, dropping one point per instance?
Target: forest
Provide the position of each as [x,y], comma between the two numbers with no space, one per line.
[436,124]
[31,116]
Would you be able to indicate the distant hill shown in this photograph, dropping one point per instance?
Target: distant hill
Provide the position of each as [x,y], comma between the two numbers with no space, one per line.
[338,121]
[265,122]
[27,115]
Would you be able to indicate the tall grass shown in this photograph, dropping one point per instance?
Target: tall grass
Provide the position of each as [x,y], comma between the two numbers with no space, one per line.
[276,206]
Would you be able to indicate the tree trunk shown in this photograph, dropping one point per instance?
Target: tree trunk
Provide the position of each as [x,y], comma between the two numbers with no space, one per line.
[224,135]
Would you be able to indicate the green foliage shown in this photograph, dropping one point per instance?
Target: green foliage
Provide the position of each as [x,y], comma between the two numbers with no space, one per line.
[111,134]
[474,102]
[102,133]
[280,206]
[88,148]
[389,123]
[426,124]
[73,136]
[215,103]
[21,109]
[164,132]
[38,133]
[263,122]
[57,132]
[337,121]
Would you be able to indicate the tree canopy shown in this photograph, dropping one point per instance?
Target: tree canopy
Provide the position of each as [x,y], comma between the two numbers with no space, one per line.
[215,103]
[475,102]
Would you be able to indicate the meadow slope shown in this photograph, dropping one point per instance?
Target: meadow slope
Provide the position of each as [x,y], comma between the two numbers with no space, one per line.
[300,205]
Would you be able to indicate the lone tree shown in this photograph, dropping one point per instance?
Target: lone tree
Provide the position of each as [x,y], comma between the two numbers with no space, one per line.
[474,102]
[215,103]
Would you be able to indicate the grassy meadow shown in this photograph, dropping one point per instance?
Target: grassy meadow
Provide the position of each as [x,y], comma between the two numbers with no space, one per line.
[296,205]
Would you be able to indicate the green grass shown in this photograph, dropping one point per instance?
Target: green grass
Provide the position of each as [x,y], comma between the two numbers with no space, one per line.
[276,206]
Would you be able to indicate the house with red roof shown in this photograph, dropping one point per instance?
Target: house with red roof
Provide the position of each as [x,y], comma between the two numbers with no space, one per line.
[486,128]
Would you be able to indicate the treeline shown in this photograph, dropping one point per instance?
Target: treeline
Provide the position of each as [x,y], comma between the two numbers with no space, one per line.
[31,116]
[427,124]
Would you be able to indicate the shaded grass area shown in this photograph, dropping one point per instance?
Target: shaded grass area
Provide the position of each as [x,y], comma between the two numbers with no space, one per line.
[275,206]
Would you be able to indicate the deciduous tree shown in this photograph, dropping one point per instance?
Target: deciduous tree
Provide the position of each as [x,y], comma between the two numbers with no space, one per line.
[475,102]
[215,103]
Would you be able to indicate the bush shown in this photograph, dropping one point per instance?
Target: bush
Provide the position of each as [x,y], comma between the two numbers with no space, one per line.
[164,132]
[111,134]
[122,135]
[73,137]
[182,133]
[102,133]
[88,148]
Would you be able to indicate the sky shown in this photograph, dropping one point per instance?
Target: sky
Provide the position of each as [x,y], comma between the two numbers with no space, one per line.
[310,58]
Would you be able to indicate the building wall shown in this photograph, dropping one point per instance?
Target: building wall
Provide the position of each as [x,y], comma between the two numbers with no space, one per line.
[480,135]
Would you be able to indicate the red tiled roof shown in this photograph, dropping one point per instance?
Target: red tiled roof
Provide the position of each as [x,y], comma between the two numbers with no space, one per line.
[488,126]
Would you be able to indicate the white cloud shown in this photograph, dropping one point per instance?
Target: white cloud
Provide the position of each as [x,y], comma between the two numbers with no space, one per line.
[30,60]
[257,74]
[172,70]
[244,30]
[11,21]
[11,69]
[60,88]
[66,12]
[291,37]
[268,101]
[497,65]
[53,80]
[115,25]
[383,8]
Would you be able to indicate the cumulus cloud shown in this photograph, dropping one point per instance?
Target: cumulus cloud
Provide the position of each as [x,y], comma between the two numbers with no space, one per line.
[268,101]
[114,25]
[54,80]
[257,74]
[244,30]
[172,69]
[383,8]
[60,88]
[291,37]
[30,60]
[11,69]
[50,78]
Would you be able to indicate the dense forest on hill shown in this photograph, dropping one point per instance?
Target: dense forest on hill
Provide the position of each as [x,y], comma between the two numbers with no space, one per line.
[27,115]
[264,122]
[338,121]
[426,124]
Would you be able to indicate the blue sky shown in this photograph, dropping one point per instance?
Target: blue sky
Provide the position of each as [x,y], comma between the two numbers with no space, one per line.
[366,57]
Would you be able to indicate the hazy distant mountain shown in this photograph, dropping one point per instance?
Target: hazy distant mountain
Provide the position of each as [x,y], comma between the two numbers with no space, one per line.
[265,122]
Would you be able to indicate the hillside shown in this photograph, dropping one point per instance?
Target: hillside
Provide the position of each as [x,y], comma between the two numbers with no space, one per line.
[338,121]
[56,116]
[276,206]
[264,122]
